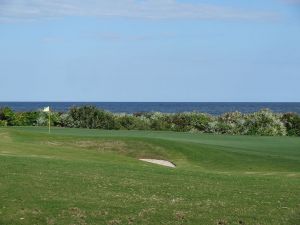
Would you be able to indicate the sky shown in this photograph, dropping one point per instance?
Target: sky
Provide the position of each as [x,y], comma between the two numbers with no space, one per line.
[150,50]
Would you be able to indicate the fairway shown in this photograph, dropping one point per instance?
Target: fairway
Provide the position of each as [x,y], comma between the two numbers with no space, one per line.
[81,176]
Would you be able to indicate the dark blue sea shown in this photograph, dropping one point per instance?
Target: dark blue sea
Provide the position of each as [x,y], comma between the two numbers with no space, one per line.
[215,108]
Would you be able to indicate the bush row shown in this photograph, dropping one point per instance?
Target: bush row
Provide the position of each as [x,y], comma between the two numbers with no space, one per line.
[264,122]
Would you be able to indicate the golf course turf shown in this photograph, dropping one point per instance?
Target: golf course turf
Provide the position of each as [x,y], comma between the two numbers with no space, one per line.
[81,176]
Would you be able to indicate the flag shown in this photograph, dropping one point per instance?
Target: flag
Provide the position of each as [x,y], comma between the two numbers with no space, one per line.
[46,109]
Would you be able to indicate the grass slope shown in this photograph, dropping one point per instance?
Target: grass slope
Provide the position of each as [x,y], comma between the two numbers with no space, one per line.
[77,176]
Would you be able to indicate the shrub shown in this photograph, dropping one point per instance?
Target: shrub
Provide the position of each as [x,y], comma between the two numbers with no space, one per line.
[264,123]
[292,123]
[91,117]
[181,122]
[159,121]
[8,115]
[18,118]
[231,123]
[212,127]
[3,123]
[190,121]
[127,122]
[42,119]
[200,121]
[143,123]
[25,118]
[65,120]
[131,122]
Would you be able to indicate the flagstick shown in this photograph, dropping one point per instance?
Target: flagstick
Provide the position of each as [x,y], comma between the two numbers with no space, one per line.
[49,123]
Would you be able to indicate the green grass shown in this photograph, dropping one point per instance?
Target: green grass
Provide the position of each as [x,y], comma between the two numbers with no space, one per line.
[77,176]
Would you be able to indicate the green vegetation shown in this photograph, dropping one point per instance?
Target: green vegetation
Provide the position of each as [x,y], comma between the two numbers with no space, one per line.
[82,176]
[262,123]
[292,123]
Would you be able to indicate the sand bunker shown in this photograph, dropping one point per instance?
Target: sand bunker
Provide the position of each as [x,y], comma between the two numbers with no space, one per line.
[159,162]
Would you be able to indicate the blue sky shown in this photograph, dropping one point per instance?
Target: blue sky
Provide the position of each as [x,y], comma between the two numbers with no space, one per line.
[149,50]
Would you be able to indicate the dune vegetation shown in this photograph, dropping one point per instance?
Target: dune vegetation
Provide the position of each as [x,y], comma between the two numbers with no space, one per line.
[261,123]
[81,176]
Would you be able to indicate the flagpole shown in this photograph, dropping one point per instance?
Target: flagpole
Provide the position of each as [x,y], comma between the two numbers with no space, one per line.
[49,122]
[47,110]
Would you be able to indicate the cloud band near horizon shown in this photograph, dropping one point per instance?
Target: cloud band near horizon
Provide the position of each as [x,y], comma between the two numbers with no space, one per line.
[14,10]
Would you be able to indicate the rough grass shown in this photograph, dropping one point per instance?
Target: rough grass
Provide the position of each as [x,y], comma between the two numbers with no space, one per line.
[77,176]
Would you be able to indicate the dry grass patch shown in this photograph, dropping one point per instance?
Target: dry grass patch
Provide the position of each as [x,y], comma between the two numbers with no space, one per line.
[4,136]
[135,149]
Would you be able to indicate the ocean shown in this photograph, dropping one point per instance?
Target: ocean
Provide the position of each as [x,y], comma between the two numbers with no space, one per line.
[214,108]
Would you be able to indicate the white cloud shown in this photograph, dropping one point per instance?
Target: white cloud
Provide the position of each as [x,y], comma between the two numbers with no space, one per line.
[143,9]
[291,1]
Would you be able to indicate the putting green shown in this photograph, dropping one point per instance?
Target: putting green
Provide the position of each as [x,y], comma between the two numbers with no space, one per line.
[79,176]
